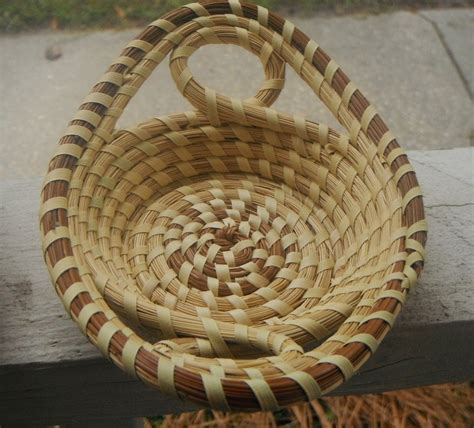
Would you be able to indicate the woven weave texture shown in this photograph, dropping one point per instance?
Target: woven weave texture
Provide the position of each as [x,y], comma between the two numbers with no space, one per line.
[233,255]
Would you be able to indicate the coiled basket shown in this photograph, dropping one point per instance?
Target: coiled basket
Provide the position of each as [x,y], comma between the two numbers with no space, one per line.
[234,255]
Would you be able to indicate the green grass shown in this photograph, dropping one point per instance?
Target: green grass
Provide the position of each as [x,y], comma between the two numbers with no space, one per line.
[24,15]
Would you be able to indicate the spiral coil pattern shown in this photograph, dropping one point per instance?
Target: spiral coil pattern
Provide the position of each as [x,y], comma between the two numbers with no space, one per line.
[235,255]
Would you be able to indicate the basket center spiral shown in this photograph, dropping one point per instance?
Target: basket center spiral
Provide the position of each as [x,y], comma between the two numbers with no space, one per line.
[230,249]
[262,256]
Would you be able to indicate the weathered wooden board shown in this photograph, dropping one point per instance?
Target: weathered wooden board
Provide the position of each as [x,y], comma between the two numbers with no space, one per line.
[50,373]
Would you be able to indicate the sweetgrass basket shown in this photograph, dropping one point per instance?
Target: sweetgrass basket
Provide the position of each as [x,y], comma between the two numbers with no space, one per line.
[234,255]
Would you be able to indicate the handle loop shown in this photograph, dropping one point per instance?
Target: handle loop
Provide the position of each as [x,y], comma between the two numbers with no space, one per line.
[206,99]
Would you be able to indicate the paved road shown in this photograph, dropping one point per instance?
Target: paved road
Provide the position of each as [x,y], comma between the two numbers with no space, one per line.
[416,68]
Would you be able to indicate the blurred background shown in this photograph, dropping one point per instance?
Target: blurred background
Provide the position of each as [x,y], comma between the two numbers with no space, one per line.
[413,59]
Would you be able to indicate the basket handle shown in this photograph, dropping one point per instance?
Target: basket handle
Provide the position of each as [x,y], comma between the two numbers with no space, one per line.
[208,100]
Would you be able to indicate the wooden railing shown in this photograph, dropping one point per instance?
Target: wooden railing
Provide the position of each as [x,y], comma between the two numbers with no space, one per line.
[50,374]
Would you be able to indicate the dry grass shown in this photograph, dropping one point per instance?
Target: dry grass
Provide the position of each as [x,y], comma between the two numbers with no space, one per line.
[450,405]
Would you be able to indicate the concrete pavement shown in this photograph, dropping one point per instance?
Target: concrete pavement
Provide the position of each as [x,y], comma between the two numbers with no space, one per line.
[456,31]
[416,68]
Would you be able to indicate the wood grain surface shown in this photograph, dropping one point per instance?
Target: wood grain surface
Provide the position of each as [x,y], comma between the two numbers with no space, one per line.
[50,373]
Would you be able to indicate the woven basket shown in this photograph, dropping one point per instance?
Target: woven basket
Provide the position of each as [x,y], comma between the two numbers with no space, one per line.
[233,255]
